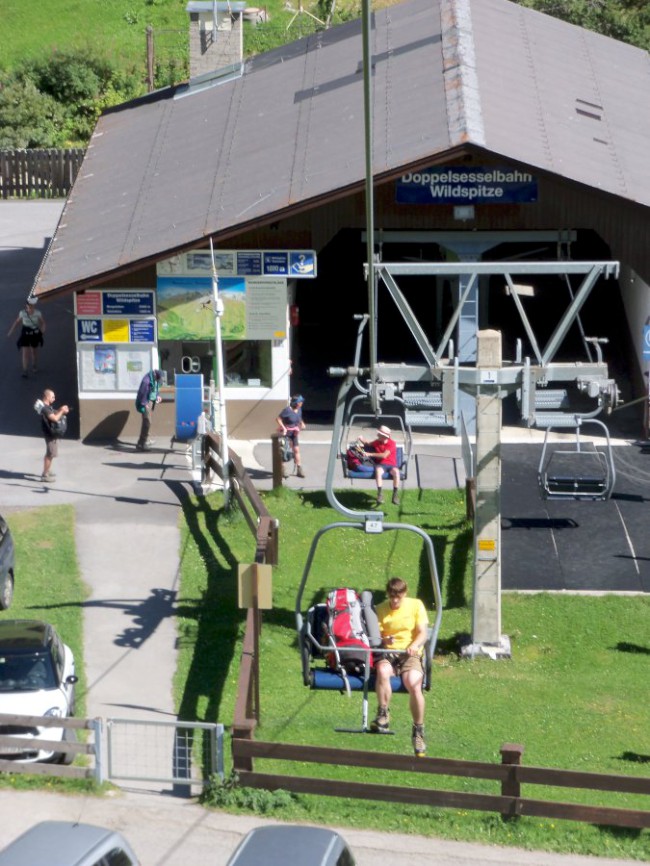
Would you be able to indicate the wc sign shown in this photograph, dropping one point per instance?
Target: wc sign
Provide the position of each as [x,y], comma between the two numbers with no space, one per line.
[646,343]
[89,330]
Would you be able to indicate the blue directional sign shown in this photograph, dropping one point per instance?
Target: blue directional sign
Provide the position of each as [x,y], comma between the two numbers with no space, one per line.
[89,330]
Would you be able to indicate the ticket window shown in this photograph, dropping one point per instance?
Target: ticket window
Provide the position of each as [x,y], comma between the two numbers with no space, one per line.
[247,362]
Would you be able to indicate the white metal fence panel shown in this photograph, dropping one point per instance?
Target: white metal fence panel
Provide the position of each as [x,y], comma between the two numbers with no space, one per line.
[181,753]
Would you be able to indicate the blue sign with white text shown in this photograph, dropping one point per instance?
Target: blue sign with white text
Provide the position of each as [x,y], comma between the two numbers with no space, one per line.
[127,303]
[141,331]
[89,330]
[467,185]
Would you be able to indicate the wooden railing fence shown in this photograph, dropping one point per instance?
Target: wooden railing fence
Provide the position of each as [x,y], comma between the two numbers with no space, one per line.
[69,746]
[265,530]
[47,173]
[511,775]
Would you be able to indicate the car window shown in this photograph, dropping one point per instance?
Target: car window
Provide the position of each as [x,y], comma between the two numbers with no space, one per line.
[3,528]
[345,858]
[117,857]
[26,672]
[58,658]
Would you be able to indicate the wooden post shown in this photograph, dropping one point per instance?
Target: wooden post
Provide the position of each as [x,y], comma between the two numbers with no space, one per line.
[511,754]
[150,60]
[276,454]
[256,644]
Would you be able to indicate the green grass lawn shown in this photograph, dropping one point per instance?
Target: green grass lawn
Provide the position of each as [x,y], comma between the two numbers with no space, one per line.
[574,693]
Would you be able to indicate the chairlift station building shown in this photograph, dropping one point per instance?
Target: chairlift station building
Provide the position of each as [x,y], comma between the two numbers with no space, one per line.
[499,135]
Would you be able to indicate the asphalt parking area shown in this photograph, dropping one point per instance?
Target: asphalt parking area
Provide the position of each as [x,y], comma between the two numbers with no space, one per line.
[575,545]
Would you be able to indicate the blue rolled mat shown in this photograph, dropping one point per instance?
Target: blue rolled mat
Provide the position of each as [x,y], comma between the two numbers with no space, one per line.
[323,678]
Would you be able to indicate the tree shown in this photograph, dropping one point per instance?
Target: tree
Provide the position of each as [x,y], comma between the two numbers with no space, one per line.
[29,118]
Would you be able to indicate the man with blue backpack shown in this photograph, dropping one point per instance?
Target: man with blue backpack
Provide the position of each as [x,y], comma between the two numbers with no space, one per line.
[145,402]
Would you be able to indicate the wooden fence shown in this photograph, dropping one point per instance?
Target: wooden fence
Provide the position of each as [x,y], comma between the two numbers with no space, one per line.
[38,173]
[510,774]
[265,531]
[14,744]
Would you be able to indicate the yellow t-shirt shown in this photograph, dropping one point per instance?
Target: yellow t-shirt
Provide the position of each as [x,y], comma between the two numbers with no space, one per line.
[402,624]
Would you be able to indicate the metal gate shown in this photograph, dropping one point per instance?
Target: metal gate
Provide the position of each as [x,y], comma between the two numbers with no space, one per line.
[178,753]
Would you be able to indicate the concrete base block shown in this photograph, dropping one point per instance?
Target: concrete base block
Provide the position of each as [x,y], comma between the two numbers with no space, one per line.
[493,651]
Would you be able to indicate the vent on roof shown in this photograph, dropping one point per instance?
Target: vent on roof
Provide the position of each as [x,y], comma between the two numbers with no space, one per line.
[589,109]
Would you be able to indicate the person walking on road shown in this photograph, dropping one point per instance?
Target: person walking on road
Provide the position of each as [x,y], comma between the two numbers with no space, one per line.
[53,422]
[32,329]
[145,402]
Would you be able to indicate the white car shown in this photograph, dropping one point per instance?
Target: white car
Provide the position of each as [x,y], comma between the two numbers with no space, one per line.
[37,678]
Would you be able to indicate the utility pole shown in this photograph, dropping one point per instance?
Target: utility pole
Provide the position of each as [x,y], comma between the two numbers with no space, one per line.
[486,612]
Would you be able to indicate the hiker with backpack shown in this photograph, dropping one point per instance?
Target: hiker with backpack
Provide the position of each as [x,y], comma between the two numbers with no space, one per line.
[54,427]
[403,624]
[290,424]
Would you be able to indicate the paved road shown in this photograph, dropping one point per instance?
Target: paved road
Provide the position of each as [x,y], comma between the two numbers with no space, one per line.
[167,832]
[127,506]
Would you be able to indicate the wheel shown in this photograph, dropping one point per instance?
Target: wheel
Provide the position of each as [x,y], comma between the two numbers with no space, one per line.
[7,591]
[69,736]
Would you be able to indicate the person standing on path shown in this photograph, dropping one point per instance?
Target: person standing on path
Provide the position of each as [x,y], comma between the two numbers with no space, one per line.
[49,418]
[32,325]
[290,423]
[145,402]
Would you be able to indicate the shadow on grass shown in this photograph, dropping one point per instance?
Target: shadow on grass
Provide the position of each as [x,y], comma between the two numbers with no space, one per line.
[216,614]
[625,647]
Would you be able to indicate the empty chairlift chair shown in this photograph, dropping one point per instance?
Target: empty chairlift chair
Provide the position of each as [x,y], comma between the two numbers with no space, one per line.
[577,470]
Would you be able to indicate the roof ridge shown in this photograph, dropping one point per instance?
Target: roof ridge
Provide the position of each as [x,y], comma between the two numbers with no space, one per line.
[464,113]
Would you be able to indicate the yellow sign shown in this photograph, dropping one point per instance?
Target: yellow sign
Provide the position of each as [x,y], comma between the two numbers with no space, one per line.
[248,575]
[487,544]
[116,331]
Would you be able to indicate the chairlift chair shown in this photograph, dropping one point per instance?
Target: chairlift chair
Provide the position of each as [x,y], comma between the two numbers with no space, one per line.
[317,673]
[404,448]
[580,472]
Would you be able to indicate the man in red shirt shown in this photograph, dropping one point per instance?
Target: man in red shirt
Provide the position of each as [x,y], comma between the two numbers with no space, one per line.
[383,451]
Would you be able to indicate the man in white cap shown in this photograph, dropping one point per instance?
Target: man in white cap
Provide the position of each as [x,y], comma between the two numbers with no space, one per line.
[384,452]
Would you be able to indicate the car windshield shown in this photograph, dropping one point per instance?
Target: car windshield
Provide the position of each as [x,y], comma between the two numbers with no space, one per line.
[26,672]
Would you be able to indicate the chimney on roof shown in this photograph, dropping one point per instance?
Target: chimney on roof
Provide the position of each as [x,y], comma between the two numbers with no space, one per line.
[216,35]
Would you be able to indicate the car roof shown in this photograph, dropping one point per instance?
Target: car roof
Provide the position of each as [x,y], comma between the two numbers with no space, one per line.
[24,635]
[57,843]
[276,845]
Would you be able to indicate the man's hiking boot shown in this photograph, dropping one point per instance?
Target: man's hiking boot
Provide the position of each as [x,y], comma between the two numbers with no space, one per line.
[417,738]
[381,723]
[299,472]
[380,497]
[47,479]
[395,499]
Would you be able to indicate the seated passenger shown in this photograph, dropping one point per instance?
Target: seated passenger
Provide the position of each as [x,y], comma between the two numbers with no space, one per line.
[383,451]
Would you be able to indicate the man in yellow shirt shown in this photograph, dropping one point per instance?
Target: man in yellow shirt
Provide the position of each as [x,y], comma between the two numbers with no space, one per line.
[403,623]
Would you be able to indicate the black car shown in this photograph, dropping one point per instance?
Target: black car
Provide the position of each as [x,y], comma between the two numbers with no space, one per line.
[6,566]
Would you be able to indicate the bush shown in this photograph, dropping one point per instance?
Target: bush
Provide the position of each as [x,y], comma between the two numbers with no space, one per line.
[29,118]
[55,102]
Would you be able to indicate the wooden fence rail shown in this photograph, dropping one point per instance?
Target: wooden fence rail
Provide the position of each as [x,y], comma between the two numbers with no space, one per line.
[511,774]
[46,173]
[13,744]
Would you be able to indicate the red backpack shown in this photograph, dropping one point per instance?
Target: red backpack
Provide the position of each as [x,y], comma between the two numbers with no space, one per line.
[346,631]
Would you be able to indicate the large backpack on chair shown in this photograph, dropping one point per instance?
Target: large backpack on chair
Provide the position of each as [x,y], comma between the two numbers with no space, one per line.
[346,631]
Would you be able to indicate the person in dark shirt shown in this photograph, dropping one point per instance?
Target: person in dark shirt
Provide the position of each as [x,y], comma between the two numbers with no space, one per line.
[147,397]
[290,424]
